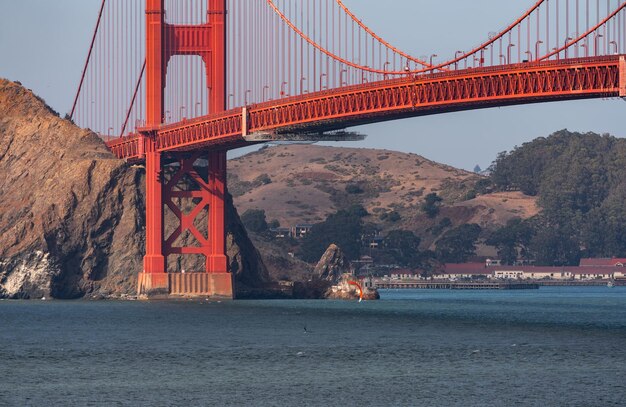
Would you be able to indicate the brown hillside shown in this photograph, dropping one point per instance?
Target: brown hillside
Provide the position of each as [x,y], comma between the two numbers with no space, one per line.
[497,208]
[304,183]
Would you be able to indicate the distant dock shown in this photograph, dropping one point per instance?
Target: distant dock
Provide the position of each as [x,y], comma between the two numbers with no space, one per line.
[455,285]
[570,283]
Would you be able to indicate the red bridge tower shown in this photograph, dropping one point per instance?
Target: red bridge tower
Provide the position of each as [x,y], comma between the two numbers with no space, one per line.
[174,177]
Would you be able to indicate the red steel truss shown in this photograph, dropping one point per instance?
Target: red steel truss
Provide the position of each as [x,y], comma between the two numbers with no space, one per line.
[164,41]
[596,77]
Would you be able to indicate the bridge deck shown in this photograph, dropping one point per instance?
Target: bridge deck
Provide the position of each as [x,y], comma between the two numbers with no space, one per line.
[566,79]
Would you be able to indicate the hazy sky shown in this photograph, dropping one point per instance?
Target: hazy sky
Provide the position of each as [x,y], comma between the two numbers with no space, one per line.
[43,44]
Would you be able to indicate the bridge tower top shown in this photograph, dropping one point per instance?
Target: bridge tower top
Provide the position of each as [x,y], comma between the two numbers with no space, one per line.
[163,41]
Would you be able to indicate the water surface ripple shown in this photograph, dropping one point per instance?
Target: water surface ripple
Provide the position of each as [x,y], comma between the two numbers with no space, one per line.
[560,346]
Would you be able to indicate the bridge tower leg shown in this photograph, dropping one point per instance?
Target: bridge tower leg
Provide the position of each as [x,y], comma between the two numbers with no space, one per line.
[208,41]
[216,81]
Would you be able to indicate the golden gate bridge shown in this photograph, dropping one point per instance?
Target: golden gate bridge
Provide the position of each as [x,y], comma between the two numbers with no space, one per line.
[177,83]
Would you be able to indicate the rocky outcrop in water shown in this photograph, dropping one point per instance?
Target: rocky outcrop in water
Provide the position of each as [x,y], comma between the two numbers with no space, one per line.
[332,265]
[346,289]
[333,279]
[72,215]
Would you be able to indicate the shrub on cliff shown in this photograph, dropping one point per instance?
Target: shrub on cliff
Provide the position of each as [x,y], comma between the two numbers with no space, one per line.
[431,205]
[254,220]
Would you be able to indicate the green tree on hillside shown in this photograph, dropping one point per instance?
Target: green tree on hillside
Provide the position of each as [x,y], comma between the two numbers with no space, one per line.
[483,186]
[580,182]
[512,240]
[603,233]
[403,246]
[458,245]
[358,210]
[431,203]
[354,189]
[254,220]
[343,228]
[392,216]
[555,246]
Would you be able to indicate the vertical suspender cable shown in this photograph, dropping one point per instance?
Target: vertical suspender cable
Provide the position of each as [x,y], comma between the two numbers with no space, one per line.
[558,17]
[91,46]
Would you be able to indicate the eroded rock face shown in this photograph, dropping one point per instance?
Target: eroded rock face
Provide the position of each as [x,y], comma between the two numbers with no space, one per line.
[332,265]
[31,277]
[71,214]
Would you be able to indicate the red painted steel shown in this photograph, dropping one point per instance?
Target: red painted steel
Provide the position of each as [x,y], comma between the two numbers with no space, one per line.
[217,262]
[206,192]
[163,42]
[186,171]
[154,260]
[581,78]
[622,77]
[300,47]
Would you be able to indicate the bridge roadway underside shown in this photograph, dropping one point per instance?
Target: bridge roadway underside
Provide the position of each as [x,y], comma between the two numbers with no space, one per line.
[335,109]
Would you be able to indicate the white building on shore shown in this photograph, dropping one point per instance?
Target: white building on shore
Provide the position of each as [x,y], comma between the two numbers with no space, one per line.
[483,271]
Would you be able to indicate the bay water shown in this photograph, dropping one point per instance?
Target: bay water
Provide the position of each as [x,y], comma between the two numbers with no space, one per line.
[556,346]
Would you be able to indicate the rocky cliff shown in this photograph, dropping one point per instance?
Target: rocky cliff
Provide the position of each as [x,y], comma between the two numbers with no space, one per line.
[72,215]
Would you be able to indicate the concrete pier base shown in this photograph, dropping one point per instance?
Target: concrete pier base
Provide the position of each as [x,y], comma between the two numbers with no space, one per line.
[152,284]
[212,285]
